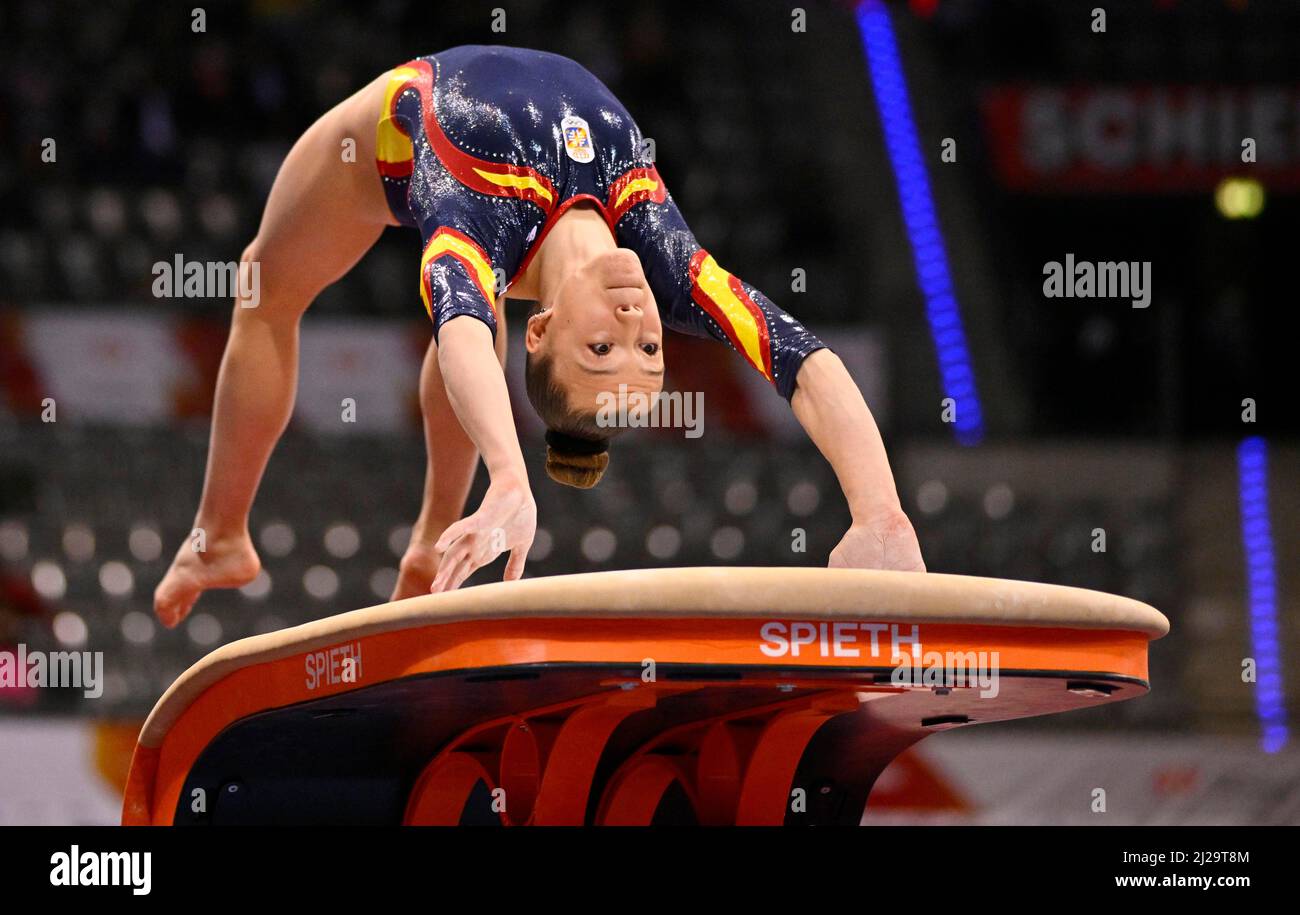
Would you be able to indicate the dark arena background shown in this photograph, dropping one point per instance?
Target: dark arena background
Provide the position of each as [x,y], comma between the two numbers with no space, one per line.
[905,178]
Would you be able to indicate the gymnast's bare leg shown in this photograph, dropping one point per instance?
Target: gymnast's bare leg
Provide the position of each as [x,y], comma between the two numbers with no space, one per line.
[322,215]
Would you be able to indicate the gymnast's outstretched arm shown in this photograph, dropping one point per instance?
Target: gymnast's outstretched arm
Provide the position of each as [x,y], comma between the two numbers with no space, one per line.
[832,411]
[697,296]
[450,472]
[506,519]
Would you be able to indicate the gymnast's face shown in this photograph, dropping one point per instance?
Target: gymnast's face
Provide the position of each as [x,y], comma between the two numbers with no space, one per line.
[601,330]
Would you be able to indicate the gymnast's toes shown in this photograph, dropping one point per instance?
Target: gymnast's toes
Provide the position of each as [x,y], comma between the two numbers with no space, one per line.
[224,564]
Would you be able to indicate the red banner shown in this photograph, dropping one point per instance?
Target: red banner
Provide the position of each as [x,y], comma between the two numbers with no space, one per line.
[1144,139]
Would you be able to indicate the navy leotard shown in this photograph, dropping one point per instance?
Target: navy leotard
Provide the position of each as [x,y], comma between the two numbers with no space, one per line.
[483,147]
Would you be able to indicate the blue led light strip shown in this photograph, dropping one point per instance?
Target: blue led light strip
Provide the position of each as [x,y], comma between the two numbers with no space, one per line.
[889,86]
[1261,591]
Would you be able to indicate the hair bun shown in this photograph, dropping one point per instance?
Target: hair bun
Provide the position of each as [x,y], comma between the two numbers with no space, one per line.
[575,461]
[582,471]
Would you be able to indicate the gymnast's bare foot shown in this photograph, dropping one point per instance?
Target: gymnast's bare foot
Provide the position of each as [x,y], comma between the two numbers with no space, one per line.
[229,562]
[884,541]
[417,570]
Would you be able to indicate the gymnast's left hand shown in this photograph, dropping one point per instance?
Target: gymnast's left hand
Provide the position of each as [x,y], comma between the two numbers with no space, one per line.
[883,541]
[506,520]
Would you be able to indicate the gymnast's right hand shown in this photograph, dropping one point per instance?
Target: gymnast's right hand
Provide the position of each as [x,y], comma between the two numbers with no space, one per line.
[224,562]
[506,520]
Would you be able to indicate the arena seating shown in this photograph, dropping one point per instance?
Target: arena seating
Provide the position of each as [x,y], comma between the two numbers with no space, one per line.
[334,519]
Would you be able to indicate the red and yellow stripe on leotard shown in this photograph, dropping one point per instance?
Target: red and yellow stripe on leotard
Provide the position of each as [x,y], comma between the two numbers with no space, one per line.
[447,242]
[500,179]
[631,188]
[393,150]
[721,295]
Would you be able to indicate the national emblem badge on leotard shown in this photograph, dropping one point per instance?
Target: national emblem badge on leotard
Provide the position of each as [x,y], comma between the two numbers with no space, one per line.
[577,139]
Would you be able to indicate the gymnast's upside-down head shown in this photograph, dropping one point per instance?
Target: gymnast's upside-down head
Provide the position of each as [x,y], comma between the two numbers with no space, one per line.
[595,355]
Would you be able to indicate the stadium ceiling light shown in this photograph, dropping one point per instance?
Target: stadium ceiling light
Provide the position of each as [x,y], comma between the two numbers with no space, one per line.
[889,88]
[1261,591]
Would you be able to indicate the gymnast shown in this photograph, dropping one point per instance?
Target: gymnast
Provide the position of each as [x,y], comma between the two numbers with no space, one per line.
[527,180]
